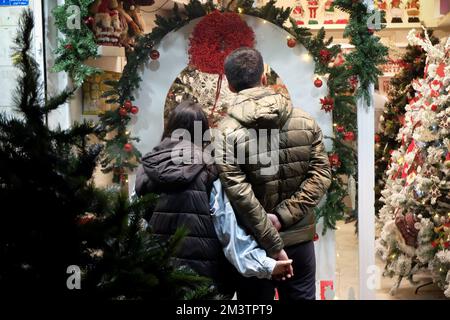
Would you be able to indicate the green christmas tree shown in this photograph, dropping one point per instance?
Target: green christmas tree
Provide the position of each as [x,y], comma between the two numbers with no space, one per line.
[54,219]
[400,94]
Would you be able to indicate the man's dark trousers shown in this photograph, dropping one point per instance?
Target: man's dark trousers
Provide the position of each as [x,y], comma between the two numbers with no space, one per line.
[302,286]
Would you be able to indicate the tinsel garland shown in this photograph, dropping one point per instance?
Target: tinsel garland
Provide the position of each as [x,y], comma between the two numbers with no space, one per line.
[340,73]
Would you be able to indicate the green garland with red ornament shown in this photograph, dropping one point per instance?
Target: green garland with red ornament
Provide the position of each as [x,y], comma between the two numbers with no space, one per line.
[345,76]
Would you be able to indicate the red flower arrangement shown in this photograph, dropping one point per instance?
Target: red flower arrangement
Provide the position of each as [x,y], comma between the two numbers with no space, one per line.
[216,36]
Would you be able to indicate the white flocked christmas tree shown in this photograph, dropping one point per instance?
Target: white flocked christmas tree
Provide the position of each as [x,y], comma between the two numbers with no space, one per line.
[415,220]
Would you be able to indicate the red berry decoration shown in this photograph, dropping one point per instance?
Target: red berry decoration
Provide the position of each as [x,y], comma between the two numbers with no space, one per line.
[69,46]
[349,136]
[316,237]
[154,54]
[340,129]
[128,147]
[123,112]
[318,83]
[325,55]
[291,42]
[327,104]
[127,105]
[335,162]
[377,138]
[371,30]
[134,110]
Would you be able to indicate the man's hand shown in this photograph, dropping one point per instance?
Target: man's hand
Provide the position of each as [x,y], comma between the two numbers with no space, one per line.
[282,256]
[274,219]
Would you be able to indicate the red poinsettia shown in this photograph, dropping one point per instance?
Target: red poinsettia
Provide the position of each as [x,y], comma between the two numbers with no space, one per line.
[327,104]
[335,162]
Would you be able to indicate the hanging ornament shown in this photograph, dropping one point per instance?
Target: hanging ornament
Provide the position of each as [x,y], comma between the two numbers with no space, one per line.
[377,138]
[69,46]
[340,129]
[316,237]
[327,104]
[325,55]
[335,162]
[154,54]
[371,30]
[134,110]
[128,147]
[89,21]
[349,136]
[86,218]
[318,83]
[447,160]
[291,42]
[353,80]
[123,112]
[127,105]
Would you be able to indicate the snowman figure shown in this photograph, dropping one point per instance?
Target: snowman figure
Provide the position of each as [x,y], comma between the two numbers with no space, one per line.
[396,11]
[329,12]
[298,13]
[382,6]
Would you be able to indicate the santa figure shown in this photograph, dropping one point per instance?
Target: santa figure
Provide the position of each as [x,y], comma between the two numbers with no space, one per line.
[396,11]
[413,10]
[313,5]
[298,13]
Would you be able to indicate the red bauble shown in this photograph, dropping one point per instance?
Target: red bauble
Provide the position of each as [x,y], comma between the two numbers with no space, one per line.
[123,112]
[316,237]
[325,55]
[291,42]
[154,54]
[318,83]
[371,30]
[349,136]
[89,21]
[334,160]
[134,110]
[327,104]
[434,107]
[127,105]
[340,129]
[377,138]
[128,147]
[214,37]
[68,46]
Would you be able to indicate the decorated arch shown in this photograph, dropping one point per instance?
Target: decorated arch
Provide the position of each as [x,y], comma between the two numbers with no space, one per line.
[329,84]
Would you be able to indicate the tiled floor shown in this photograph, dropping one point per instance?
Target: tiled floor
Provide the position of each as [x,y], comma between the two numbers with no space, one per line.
[347,272]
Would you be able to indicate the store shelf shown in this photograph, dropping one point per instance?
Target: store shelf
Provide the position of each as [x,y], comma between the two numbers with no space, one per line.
[111,51]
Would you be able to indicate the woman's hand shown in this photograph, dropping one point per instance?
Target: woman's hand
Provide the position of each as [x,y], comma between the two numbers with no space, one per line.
[282,270]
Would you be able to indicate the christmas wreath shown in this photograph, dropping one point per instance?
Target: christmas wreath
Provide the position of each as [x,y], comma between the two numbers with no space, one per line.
[215,37]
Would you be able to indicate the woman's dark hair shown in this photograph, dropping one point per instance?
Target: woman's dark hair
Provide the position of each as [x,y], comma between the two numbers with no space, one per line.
[184,117]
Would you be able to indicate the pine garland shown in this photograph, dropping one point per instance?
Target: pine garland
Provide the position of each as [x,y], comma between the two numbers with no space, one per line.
[78,44]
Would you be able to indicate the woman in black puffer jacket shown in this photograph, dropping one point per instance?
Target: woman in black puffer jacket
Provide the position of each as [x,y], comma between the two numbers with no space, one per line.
[184,190]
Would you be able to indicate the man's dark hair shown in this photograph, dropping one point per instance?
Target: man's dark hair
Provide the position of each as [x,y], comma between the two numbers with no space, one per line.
[244,68]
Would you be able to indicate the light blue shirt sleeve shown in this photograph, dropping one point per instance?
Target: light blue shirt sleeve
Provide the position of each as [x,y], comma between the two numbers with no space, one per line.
[240,248]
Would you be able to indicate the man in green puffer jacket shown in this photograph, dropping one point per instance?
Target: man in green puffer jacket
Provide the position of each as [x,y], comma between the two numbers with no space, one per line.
[274,187]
